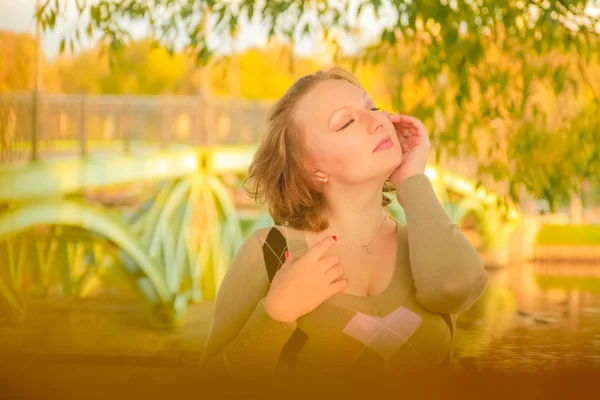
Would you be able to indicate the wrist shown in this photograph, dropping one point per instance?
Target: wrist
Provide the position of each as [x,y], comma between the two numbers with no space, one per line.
[273,310]
[399,181]
[421,205]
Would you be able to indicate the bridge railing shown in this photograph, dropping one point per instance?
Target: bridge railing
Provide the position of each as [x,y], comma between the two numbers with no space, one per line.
[84,124]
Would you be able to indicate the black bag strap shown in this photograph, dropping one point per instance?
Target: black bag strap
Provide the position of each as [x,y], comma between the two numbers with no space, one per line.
[274,249]
[447,362]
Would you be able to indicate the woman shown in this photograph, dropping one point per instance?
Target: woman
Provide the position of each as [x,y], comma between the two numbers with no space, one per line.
[356,288]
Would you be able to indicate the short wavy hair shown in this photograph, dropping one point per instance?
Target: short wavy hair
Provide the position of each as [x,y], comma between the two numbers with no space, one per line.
[278,174]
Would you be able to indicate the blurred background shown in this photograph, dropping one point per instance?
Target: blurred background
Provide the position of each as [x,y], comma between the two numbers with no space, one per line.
[126,129]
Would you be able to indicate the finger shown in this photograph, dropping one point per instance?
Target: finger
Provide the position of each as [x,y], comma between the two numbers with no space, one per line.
[338,286]
[329,261]
[334,273]
[289,258]
[408,126]
[413,122]
[403,119]
[404,128]
[317,251]
[407,132]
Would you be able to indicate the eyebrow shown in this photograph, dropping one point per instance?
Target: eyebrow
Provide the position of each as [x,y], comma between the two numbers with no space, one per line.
[365,97]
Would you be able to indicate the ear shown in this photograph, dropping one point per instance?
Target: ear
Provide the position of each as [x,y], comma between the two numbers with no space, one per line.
[322,177]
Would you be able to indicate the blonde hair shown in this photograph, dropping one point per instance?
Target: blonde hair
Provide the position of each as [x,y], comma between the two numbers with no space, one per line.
[278,174]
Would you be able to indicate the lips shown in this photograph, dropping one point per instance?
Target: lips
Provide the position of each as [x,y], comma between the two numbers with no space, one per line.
[384,144]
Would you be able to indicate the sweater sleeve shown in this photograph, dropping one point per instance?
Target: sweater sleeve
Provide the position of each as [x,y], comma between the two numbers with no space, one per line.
[243,335]
[447,270]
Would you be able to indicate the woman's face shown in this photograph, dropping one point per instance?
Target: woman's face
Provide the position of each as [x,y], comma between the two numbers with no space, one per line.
[344,133]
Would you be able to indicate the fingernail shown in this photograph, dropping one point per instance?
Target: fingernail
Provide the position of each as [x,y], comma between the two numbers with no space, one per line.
[334,238]
[286,254]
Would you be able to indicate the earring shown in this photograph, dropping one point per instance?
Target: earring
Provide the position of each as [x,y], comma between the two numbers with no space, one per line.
[324,178]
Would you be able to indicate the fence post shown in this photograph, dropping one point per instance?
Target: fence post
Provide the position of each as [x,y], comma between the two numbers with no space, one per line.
[83,150]
[199,131]
[125,115]
[164,115]
[35,133]
[209,122]
[234,120]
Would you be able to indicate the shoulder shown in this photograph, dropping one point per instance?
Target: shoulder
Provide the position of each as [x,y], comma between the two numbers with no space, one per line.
[248,262]
[262,233]
[252,245]
[258,237]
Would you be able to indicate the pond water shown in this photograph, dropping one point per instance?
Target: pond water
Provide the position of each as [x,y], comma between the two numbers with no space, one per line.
[533,318]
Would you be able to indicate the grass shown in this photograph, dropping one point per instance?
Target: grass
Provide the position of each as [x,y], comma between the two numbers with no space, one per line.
[569,235]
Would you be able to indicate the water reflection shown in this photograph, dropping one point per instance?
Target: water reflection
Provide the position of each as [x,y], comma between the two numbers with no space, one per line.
[533,317]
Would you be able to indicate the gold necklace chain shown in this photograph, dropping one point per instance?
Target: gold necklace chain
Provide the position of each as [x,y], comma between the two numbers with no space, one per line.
[368,245]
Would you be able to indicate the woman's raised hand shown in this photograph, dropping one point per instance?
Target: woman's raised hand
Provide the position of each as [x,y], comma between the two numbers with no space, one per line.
[414,139]
[301,285]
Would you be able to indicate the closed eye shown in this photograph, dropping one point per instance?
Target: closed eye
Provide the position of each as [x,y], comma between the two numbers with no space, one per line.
[352,120]
[346,125]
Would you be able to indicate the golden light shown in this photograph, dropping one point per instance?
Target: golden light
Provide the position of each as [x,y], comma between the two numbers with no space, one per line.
[431,173]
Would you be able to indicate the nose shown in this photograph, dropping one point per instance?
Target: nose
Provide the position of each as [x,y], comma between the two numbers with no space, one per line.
[376,121]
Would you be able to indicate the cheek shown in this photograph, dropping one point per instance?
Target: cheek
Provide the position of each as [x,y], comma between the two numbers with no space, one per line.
[341,153]
[349,150]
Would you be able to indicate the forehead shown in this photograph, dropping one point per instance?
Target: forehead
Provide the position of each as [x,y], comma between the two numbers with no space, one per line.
[326,97]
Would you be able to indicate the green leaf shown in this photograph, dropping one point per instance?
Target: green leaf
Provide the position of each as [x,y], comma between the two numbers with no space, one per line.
[359,10]
[95,14]
[376,6]
[52,19]
[306,29]
[203,56]
[80,5]
[43,7]
[222,14]
[388,36]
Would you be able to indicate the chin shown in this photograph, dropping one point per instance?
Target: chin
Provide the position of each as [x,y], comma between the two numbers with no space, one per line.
[390,157]
[390,164]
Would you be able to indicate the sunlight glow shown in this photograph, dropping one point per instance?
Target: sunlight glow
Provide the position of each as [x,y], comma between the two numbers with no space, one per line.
[160,167]
[190,162]
[431,173]
[228,161]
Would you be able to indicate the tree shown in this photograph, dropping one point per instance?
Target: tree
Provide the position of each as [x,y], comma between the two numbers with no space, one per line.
[83,73]
[17,69]
[137,69]
[264,73]
[482,61]
[144,69]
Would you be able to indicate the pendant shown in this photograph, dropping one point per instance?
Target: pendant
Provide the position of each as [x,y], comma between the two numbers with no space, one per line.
[368,248]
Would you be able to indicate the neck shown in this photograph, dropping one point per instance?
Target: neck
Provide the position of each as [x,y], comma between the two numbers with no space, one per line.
[355,213]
